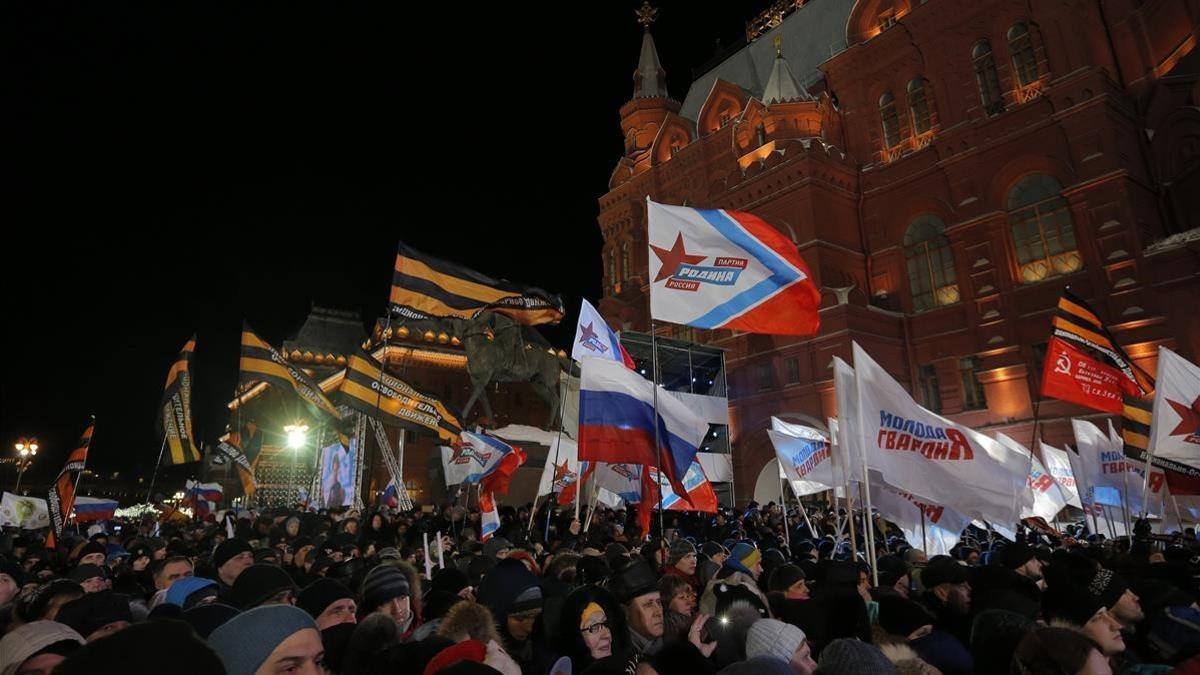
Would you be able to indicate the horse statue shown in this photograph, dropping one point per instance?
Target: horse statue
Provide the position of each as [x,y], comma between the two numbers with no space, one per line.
[501,350]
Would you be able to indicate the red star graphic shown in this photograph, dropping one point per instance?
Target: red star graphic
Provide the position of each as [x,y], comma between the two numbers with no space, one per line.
[1190,417]
[588,333]
[561,471]
[672,259]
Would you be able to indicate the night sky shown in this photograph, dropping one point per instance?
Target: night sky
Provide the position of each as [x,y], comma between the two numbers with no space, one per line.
[175,168]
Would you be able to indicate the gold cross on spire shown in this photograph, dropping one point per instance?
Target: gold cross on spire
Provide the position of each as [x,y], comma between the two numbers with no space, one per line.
[646,15]
[778,45]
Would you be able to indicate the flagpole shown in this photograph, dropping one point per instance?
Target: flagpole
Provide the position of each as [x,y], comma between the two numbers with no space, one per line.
[787,535]
[662,520]
[154,475]
[924,537]
[1125,499]
[1178,516]
[533,512]
[850,517]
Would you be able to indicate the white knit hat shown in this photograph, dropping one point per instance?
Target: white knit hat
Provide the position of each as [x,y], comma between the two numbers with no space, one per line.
[770,637]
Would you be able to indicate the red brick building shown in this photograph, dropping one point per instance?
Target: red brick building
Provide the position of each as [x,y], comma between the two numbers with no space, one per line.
[945,168]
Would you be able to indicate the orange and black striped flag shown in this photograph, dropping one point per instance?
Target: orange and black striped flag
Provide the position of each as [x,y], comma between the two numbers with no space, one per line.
[242,449]
[175,417]
[260,362]
[367,389]
[61,498]
[1077,323]
[424,287]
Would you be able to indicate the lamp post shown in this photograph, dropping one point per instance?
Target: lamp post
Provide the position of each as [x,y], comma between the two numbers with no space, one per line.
[297,436]
[26,450]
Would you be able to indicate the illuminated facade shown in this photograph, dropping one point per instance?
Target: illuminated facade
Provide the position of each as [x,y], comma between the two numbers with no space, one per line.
[945,168]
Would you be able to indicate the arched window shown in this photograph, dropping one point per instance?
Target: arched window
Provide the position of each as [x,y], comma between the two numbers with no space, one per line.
[760,134]
[891,121]
[918,104]
[931,278]
[1043,234]
[1020,46]
[625,271]
[612,270]
[986,78]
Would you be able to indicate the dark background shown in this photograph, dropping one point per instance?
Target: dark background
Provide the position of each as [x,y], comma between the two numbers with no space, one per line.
[175,168]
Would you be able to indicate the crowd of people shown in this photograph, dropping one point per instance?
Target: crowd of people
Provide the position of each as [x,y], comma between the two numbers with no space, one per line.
[755,591]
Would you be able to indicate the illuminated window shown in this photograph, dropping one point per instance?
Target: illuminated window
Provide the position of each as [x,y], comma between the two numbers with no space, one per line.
[625,271]
[1020,46]
[760,134]
[918,104]
[1043,234]
[972,389]
[890,120]
[931,278]
[986,78]
[612,270]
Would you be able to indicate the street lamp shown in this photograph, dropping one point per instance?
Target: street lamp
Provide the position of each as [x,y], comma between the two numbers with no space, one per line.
[26,450]
[297,436]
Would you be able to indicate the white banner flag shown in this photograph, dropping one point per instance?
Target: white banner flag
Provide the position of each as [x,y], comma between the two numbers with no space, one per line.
[923,453]
[623,480]
[1058,464]
[27,513]
[1101,466]
[1175,430]
[804,458]
[943,526]
[848,445]
[562,468]
[1045,499]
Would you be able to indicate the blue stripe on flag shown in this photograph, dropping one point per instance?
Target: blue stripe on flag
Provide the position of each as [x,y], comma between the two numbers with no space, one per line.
[782,274]
[622,411]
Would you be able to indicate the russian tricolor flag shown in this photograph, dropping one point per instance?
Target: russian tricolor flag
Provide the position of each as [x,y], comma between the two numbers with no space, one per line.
[617,421]
[713,268]
[489,516]
[89,509]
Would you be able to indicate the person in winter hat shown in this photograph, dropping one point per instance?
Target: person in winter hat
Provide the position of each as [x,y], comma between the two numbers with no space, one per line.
[262,585]
[1070,603]
[97,615]
[328,602]
[853,657]
[191,591]
[1058,650]
[264,639]
[681,562]
[148,648]
[591,627]
[231,557]
[913,623]
[783,641]
[514,596]
[636,588]
[1022,559]
[386,590]
[744,558]
[948,596]
[37,647]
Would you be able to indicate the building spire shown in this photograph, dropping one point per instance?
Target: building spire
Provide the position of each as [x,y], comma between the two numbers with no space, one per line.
[649,80]
[782,86]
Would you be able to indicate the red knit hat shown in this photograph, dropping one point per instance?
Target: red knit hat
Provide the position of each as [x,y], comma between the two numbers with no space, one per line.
[467,650]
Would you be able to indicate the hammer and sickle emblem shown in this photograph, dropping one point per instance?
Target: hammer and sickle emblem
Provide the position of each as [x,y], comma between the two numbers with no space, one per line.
[1062,364]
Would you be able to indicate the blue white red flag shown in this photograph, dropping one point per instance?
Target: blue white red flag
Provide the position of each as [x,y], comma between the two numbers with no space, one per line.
[91,508]
[623,480]
[699,491]
[489,516]
[391,496]
[593,337]
[713,268]
[617,422]
[473,458]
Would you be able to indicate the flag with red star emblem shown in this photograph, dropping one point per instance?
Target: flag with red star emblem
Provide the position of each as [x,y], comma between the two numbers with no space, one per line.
[713,268]
[562,470]
[593,337]
[1175,427]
